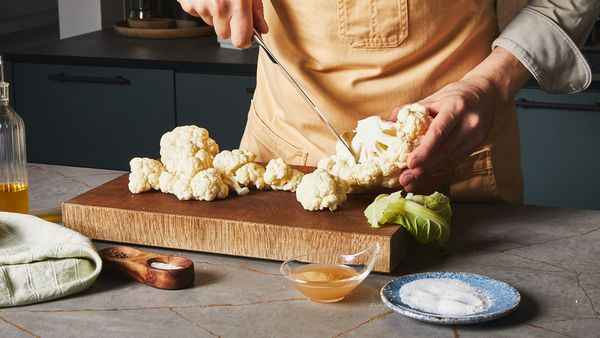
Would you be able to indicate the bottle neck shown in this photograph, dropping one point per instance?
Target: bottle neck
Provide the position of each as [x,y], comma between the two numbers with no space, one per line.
[4,94]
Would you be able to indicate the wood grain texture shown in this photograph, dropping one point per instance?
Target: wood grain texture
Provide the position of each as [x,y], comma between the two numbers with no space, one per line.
[124,29]
[137,264]
[263,224]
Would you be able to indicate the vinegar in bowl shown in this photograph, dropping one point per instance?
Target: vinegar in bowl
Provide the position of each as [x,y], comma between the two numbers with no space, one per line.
[325,283]
[328,278]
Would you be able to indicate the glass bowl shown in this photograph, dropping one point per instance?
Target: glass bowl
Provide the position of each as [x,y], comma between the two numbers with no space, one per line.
[329,277]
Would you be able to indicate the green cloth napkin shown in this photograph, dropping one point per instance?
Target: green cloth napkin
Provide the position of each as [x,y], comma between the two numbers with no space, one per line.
[40,261]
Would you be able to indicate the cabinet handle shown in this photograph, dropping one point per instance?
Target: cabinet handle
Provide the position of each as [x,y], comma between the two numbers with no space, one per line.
[551,105]
[118,80]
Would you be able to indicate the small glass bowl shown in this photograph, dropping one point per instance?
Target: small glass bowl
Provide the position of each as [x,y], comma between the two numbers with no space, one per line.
[329,277]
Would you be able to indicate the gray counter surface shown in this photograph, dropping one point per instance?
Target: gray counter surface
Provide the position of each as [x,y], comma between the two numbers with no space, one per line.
[550,255]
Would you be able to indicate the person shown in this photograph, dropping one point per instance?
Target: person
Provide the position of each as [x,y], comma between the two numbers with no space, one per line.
[362,58]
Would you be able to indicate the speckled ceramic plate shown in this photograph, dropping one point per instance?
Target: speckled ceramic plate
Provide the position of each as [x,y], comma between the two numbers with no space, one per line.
[503,298]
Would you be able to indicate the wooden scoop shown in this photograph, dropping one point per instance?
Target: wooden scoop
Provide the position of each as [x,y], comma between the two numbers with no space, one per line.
[159,271]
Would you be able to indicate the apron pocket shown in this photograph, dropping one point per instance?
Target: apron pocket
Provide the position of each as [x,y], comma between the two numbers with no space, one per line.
[373,24]
[474,179]
[267,145]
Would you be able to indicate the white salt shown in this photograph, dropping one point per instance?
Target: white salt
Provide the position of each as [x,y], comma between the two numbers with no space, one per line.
[444,296]
[164,266]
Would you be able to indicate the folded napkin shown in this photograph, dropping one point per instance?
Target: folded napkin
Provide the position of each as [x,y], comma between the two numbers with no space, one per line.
[40,261]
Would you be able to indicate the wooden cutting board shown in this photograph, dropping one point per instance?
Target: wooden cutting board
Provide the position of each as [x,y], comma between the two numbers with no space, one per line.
[262,224]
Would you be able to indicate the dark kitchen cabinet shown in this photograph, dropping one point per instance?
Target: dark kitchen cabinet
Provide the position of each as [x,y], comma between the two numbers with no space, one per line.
[560,146]
[93,116]
[216,102]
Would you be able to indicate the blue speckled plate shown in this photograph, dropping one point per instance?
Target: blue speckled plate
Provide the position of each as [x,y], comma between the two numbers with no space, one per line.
[503,297]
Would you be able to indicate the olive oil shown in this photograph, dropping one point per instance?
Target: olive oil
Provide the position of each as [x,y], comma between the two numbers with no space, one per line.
[325,283]
[14,194]
[14,197]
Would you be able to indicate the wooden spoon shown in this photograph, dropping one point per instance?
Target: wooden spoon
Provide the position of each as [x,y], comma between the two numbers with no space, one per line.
[159,271]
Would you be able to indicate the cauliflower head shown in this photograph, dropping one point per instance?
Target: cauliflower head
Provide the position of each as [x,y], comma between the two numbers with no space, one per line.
[381,147]
[187,150]
[144,174]
[281,176]
[251,174]
[319,190]
[207,185]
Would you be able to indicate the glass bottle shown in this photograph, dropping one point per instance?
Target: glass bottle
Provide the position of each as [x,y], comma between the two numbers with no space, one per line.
[14,192]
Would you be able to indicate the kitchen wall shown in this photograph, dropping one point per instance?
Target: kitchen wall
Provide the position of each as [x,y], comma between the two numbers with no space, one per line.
[84,16]
[26,14]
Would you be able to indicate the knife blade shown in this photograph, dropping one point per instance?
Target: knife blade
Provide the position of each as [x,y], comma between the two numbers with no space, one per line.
[257,37]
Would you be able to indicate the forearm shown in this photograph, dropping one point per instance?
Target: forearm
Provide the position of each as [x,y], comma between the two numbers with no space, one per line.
[500,72]
[545,36]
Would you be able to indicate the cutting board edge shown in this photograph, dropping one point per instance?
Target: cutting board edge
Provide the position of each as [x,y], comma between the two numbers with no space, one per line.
[97,222]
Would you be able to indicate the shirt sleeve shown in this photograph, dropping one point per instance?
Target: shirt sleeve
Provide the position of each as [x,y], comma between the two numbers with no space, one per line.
[545,37]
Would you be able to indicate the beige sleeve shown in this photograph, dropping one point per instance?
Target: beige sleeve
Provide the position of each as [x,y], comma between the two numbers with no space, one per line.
[546,35]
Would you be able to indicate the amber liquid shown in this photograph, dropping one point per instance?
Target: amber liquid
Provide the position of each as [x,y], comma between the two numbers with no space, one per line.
[325,282]
[14,197]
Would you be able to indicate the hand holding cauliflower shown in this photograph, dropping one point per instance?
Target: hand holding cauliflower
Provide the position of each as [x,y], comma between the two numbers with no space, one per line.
[382,148]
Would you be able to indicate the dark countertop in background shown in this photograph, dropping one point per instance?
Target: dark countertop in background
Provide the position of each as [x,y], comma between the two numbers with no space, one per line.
[107,48]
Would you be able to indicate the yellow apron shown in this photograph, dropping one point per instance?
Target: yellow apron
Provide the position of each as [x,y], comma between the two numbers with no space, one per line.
[362,58]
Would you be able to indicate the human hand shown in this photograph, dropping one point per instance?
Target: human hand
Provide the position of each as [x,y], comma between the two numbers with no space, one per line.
[463,117]
[232,19]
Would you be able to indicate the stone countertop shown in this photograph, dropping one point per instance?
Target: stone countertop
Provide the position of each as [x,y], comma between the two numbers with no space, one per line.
[550,255]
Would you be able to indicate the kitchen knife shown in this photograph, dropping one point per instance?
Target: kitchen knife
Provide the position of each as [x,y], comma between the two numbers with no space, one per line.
[295,84]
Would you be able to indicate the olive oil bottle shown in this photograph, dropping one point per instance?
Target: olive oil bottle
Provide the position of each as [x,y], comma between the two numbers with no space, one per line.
[14,192]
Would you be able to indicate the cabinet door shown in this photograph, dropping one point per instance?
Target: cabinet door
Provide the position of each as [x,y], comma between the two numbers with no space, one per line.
[560,149]
[218,103]
[93,116]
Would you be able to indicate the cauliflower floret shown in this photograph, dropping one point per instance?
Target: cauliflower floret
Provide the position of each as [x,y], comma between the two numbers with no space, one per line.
[187,150]
[358,176]
[144,174]
[381,147]
[208,185]
[176,184]
[251,174]
[166,180]
[280,176]
[319,190]
[227,162]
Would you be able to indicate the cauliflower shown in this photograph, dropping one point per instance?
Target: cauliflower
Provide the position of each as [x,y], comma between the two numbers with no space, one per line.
[144,174]
[319,190]
[187,150]
[227,162]
[280,176]
[358,176]
[176,184]
[251,174]
[381,147]
[208,185]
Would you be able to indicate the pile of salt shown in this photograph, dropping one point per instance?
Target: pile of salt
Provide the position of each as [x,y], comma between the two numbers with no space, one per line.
[164,266]
[444,296]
